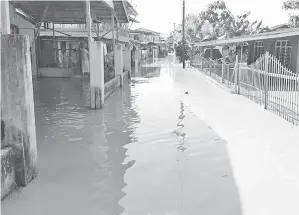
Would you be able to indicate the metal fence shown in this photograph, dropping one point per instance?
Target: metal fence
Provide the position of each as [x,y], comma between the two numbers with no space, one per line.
[217,69]
[267,82]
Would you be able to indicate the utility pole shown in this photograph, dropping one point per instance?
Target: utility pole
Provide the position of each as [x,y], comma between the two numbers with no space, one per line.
[183,54]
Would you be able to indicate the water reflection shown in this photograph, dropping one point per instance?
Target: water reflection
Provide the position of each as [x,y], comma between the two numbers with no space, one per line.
[144,153]
[178,132]
[118,132]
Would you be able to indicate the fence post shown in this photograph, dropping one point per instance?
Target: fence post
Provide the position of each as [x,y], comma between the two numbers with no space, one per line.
[266,78]
[222,75]
[237,89]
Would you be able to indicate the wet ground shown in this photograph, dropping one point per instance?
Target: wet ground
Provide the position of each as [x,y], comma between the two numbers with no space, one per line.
[146,153]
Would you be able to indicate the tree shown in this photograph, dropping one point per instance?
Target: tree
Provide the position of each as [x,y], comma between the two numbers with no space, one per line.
[217,21]
[293,7]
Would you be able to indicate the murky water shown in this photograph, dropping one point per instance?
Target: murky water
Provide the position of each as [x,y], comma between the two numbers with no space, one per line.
[145,153]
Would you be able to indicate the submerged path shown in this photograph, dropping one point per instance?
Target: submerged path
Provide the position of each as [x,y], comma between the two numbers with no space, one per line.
[145,153]
[149,152]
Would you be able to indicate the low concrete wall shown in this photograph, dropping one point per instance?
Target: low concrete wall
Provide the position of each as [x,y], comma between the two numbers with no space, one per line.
[57,72]
[112,85]
[17,109]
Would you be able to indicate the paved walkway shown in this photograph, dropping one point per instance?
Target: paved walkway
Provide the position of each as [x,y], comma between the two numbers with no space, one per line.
[156,150]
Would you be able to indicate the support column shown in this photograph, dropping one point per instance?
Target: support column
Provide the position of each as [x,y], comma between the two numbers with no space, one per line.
[96,65]
[97,84]
[153,54]
[127,59]
[136,59]
[119,63]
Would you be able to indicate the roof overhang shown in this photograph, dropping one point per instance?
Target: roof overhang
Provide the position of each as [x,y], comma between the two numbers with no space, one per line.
[247,38]
[121,11]
[71,12]
[131,9]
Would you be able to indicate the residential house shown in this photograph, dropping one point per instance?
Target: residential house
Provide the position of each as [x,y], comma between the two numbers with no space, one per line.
[57,43]
[147,40]
[283,43]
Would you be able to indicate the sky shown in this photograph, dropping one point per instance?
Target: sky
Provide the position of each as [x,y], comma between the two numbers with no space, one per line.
[160,15]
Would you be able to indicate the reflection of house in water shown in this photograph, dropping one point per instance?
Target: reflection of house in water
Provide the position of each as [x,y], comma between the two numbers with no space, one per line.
[178,132]
[119,123]
[150,72]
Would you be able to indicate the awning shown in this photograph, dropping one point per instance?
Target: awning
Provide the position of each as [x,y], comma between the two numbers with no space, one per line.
[70,12]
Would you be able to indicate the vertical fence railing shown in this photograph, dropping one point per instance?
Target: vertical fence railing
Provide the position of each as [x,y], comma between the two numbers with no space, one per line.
[272,85]
[266,82]
[216,69]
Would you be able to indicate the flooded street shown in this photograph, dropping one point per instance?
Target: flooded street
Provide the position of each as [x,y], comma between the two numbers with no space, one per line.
[145,153]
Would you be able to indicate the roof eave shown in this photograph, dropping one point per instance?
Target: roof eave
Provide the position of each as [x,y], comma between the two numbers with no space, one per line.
[263,36]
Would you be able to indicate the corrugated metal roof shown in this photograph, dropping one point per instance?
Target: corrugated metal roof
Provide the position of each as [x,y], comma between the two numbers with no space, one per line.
[74,11]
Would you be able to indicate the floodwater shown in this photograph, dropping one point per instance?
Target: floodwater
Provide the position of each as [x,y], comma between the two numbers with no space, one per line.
[146,153]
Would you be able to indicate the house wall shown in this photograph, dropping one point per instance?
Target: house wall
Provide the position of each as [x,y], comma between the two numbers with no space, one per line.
[269,45]
[26,28]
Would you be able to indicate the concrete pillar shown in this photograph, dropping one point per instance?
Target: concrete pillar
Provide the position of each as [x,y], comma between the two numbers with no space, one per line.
[17,109]
[5,17]
[97,84]
[297,66]
[127,59]
[136,60]
[119,62]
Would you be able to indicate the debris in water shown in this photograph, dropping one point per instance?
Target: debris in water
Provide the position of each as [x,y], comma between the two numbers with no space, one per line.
[186,92]
[224,176]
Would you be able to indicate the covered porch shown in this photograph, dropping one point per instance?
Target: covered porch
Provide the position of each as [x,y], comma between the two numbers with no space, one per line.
[59,62]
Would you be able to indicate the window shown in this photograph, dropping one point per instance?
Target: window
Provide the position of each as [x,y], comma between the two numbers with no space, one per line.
[259,49]
[283,51]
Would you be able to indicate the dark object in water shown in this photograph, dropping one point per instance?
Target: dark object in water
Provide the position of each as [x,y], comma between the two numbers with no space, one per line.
[186,92]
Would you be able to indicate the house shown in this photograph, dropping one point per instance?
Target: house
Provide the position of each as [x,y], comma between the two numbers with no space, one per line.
[148,40]
[57,43]
[283,43]
[60,49]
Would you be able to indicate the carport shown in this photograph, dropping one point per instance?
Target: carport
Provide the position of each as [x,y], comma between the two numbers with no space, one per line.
[81,12]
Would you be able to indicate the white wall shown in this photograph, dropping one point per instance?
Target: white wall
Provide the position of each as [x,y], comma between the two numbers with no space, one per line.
[26,28]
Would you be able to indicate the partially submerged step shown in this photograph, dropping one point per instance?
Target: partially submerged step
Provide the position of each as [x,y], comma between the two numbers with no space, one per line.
[8,171]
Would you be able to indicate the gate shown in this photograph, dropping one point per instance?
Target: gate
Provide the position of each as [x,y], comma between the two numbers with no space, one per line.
[272,85]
